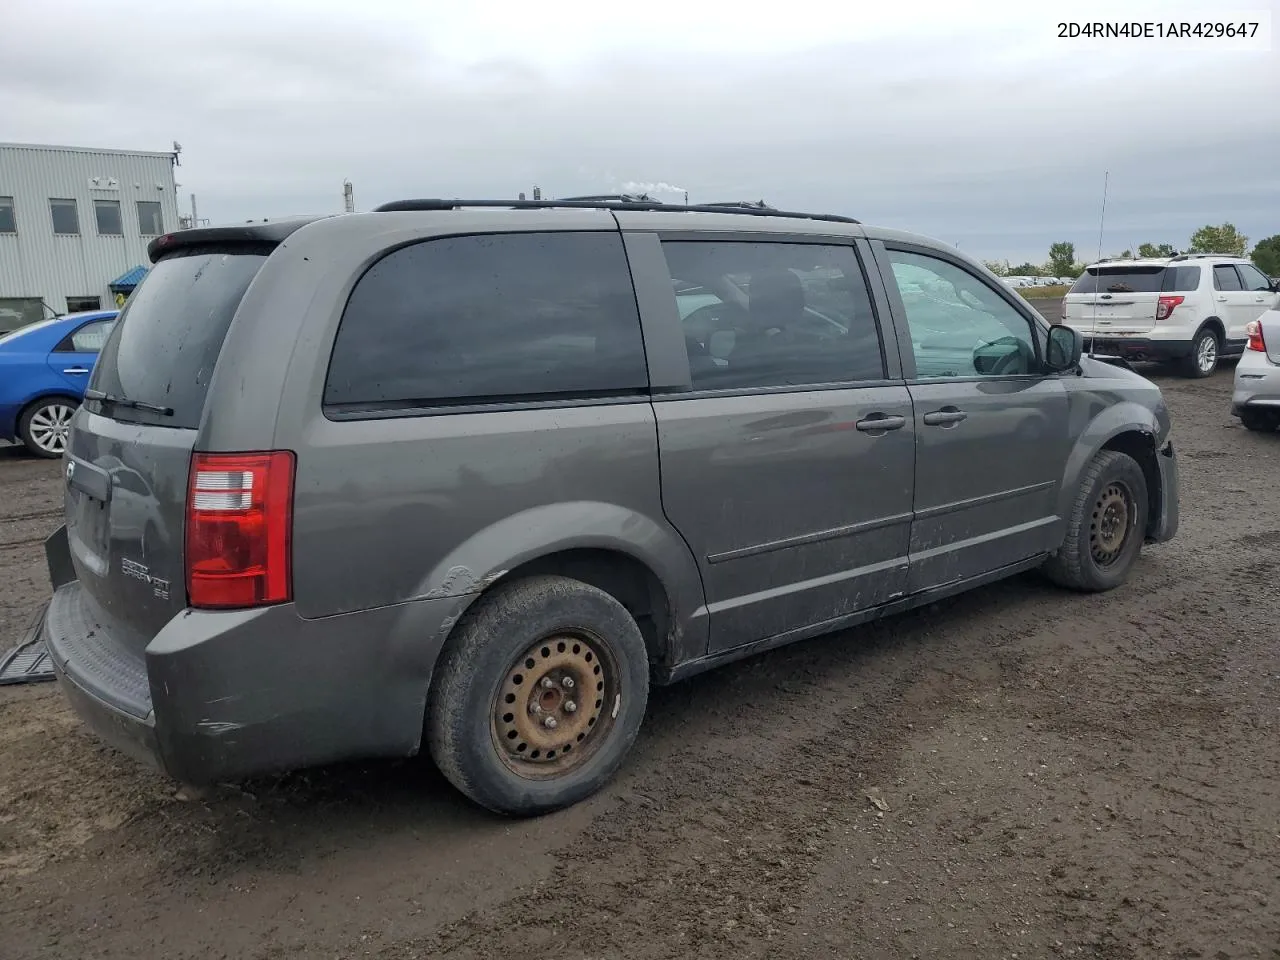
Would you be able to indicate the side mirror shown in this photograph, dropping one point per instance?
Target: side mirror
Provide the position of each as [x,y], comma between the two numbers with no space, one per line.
[1065,347]
[1275,284]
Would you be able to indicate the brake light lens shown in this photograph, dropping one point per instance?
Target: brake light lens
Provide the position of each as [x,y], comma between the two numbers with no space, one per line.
[239,528]
[1165,306]
[1253,330]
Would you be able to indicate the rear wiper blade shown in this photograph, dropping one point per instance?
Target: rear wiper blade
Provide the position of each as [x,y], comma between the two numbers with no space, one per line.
[92,394]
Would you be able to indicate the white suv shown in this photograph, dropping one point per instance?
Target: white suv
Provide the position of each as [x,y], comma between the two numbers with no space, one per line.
[1192,308]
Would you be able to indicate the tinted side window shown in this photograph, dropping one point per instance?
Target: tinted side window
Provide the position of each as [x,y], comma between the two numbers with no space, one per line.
[960,327]
[773,314]
[1225,277]
[1254,279]
[1181,279]
[489,318]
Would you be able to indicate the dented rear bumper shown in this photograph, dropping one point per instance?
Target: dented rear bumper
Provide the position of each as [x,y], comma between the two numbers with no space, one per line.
[224,695]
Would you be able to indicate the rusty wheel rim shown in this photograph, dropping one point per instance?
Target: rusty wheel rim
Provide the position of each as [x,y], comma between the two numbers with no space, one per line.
[555,706]
[1113,517]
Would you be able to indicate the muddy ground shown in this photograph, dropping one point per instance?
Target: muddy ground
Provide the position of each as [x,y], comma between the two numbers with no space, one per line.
[1063,776]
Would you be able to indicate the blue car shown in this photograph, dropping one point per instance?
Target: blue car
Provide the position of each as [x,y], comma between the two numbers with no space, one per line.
[44,369]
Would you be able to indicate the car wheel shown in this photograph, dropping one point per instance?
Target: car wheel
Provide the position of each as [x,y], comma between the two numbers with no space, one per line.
[1105,528]
[44,426]
[1261,421]
[538,696]
[1205,351]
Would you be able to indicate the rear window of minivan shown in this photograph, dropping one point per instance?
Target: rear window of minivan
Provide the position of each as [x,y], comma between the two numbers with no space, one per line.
[167,340]
[1133,279]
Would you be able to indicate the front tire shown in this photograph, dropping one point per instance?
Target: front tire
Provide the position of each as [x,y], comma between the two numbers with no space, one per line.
[1206,350]
[538,696]
[1105,528]
[45,426]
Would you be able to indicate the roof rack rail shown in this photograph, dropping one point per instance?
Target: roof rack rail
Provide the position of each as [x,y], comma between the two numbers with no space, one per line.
[1199,256]
[404,206]
[742,204]
[609,198]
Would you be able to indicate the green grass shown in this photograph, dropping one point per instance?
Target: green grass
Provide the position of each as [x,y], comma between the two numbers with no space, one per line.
[1042,293]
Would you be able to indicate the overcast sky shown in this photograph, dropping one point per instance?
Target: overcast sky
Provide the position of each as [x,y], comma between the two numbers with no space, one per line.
[983,129]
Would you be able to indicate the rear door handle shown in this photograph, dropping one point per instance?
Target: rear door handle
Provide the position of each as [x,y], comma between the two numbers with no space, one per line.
[1222,299]
[76,370]
[944,417]
[880,423]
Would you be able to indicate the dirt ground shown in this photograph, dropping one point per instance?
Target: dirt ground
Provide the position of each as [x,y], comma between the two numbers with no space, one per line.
[1061,776]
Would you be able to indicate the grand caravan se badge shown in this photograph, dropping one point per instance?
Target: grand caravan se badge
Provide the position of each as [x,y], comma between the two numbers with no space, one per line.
[131,568]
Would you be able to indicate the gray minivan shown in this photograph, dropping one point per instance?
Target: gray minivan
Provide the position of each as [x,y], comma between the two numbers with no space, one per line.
[478,473]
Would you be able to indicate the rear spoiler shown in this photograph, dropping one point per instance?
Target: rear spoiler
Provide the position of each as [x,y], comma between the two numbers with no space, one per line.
[269,232]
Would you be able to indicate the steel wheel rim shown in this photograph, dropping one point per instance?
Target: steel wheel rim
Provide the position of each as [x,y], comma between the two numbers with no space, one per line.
[1207,354]
[1112,522]
[49,427]
[555,705]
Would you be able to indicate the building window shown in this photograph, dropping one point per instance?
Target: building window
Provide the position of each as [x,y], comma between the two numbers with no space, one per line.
[80,304]
[8,222]
[150,222]
[17,312]
[66,219]
[108,214]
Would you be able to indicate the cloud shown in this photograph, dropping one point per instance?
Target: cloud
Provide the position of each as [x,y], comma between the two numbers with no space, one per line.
[977,127]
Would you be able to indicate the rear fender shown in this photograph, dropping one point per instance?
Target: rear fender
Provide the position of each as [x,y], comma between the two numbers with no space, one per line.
[483,559]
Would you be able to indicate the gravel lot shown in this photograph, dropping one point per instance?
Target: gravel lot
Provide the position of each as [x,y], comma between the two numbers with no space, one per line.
[1063,776]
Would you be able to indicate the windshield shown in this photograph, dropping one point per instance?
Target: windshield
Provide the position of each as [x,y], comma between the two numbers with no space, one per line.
[163,349]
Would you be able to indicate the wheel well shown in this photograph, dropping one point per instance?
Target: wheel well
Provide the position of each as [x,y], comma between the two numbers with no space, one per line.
[1217,326]
[1142,447]
[623,577]
[42,399]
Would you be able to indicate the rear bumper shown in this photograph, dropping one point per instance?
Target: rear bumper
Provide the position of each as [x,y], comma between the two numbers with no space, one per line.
[1138,348]
[1165,526]
[225,695]
[1257,383]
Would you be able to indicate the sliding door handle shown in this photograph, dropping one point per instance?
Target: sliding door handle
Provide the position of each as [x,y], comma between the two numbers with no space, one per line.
[944,417]
[880,423]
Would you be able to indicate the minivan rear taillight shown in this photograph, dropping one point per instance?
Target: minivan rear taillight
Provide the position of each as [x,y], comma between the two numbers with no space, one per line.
[1165,305]
[1253,330]
[239,526]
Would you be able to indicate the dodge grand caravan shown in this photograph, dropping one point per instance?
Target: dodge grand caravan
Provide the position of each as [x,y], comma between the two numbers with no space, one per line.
[470,476]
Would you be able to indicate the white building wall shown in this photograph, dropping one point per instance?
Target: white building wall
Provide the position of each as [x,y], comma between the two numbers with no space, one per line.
[36,262]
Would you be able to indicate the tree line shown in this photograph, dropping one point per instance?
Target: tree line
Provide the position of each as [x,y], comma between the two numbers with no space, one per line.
[1223,238]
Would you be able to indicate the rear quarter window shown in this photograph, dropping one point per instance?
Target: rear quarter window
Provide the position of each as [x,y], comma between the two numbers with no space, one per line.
[166,341]
[480,319]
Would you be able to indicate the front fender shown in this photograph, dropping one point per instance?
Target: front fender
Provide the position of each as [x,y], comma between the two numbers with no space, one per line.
[483,559]
[1105,426]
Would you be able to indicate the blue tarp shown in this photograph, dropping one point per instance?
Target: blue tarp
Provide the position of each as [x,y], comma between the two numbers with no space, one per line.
[127,281]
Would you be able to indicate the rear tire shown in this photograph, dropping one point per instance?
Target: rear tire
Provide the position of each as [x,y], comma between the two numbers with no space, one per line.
[1206,351]
[538,696]
[45,426]
[1105,528]
[1260,421]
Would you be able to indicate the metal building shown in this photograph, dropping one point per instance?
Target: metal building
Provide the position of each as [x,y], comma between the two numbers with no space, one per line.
[75,224]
